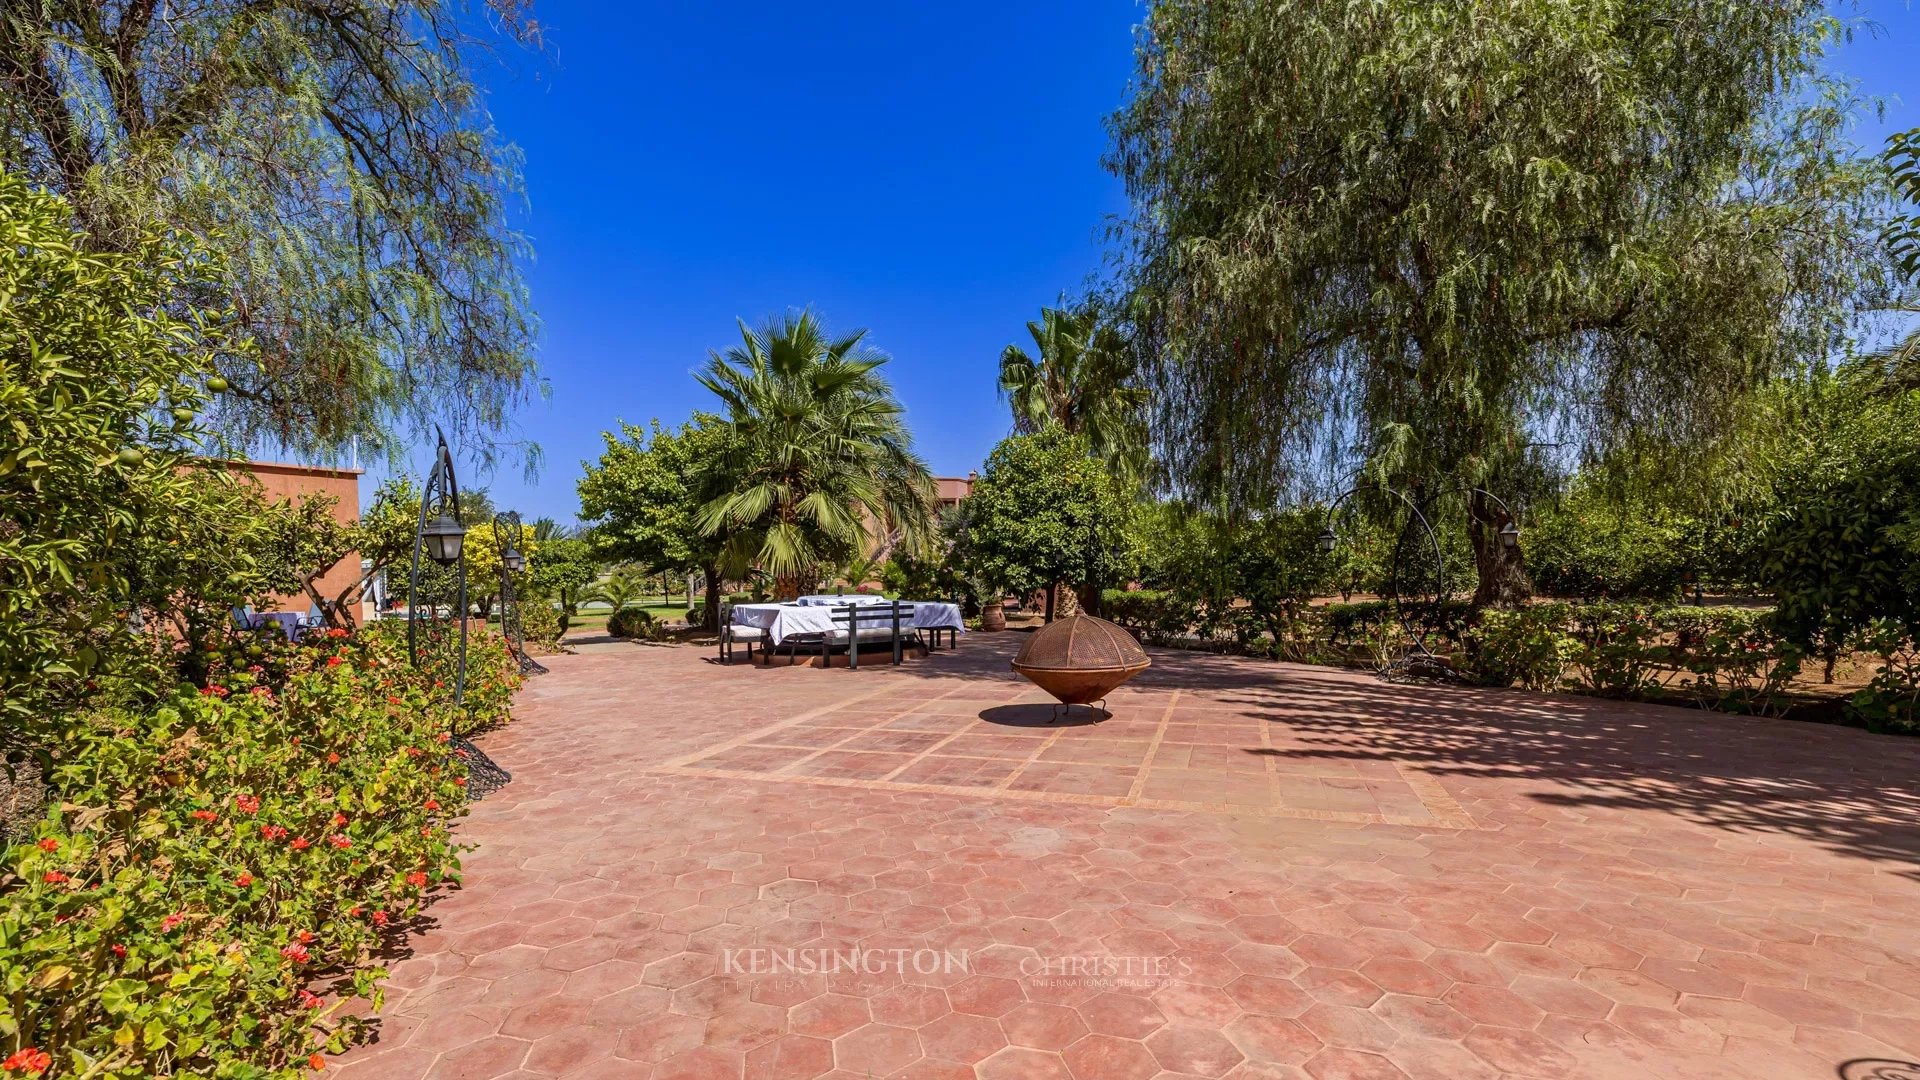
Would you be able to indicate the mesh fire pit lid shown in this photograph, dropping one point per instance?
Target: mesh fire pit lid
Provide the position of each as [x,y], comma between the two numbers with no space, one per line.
[1081,643]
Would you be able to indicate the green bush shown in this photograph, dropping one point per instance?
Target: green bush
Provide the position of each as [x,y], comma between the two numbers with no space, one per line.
[1729,659]
[637,623]
[219,870]
[1528,646]
[1890,702]
[1152,613]
[542,623]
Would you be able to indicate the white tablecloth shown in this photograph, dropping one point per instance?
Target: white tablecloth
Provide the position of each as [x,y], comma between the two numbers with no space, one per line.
[289,622]
[781,621]
[833,600]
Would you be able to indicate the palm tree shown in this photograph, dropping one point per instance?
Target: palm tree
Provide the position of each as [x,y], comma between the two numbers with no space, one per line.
[821,457]
[617,590]
[1081,380]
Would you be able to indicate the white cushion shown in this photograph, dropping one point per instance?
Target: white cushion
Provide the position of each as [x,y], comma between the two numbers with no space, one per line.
[738,632]
[870,633]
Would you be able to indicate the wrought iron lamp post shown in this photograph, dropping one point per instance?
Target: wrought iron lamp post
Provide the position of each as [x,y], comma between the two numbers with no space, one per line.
[441,538]
[511,536]
[1419,654]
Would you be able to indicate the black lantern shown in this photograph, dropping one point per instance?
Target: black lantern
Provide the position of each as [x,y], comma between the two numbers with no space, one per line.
[1328,541]
[439,537]
[443,537]
[513,560]
[1509,535]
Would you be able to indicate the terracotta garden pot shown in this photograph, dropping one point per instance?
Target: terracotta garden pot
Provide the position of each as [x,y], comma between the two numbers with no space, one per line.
[992,616]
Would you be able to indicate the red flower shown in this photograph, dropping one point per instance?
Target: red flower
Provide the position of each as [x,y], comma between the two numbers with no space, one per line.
[296,953]
[459,781]
[119,950]
[339,841]
[204,815]
[339,818]
[417,879]
[333,759]
[336,632]
[304,937]
[393,699]
[48,843]
[316,1062]
[309,999]
[426,831]
[379,918]
[300,843]
[413,751]
[248,804]
[245,879]
[462,755]
[54,877]
[442,737]
[433,804]
[30,1060]
[333,661]
[272,832]
[167,924]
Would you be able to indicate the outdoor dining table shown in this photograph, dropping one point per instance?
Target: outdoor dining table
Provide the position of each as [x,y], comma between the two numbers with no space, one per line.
[782,621]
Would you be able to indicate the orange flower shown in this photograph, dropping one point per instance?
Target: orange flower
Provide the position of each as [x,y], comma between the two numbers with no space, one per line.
[30,1060]
[316,1062]
[54,877]
[417,879]
[245,879]
[48,843]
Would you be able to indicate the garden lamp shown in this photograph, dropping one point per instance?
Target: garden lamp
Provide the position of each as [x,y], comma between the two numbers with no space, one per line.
[513,560]
[443,537]
[1328,541]
[1509,535]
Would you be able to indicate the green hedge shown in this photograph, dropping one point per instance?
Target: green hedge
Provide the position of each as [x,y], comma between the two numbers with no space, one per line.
[1729,659]
[219,870]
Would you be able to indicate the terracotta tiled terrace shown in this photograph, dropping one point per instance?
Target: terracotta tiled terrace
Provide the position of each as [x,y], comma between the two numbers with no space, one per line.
[1249,870]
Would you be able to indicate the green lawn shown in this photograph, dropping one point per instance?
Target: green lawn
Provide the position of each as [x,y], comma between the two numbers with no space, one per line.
[594,620]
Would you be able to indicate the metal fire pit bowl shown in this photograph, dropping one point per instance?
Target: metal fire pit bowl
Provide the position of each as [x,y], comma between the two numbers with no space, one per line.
[1080,659]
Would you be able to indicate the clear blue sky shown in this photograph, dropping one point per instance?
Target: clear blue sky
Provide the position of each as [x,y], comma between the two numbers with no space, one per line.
[928,171]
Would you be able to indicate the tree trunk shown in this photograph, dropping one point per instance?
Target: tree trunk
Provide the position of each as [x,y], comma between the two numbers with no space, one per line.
[711,616]
[1502,570]
[1052,591]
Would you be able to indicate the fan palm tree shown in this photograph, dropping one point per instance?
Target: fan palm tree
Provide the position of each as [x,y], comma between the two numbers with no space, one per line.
[821,459]
[1082,379]
[622,587]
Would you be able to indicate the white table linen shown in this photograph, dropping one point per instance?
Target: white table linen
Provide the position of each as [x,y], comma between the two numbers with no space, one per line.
[782,621]
[834,600]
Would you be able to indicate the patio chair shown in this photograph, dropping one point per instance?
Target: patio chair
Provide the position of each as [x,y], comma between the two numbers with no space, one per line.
[874,622]
[732,633]
[243,616]
[314,619]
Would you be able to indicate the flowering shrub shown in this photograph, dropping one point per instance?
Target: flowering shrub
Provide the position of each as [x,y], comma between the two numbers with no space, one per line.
[1890,702]
[1527,645]
[219,869]
[1729,659]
